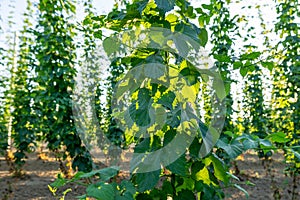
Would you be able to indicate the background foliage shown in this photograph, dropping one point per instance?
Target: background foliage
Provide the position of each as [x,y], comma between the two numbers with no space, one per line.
[39,66]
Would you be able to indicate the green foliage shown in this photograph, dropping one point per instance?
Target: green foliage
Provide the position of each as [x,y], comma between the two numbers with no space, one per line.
[3,133]
[255,122]
[202,178]
[3,128]
[222,25]
[37,99]
[22,123]
[55,72]
[286,85]
[100,188]
[165,6]
[185,177]
[188,175]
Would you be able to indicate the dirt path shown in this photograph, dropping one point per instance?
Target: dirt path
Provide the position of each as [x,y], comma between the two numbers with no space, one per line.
[41,172]
[34,185]
[268,178]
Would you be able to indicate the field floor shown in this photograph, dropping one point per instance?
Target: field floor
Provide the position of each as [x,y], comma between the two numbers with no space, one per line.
[268,178]
[41,171]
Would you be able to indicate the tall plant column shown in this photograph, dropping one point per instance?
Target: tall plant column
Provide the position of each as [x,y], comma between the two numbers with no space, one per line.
[55,70]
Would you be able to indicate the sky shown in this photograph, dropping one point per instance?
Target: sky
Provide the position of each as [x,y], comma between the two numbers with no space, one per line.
[104,6]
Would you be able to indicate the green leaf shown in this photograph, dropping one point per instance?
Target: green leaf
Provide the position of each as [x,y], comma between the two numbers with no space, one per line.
[201,20]
[128,186]
[203,36]
[169,136]
[59,182]
[143,146]
[181,46]
[243,71]
[227,86]
[190,75]
[154,70]
[188,184]
[242,189]
[173,119]
[194,148]
[179,166]
[279,137]
[250,56]
[207,6]
[250,66]
[146,181]
[208,192]
[105,173]
[196,167]
[165,5]
[111,45]
[190,11]
[233,176]
[142,5]
[87,21]
[250,144]
[77,176]
[229,133]
[98,34]
[101,191]
[98,18]
[144,98]
[167,99]
[220,170]
[218,86]
[233,149]
[265,142]
[188,30]
[167,187]
[237,65]
[185,195]
[222,58]
[269,65]
[140,114]
[126,191]
[171,18]
[249,183]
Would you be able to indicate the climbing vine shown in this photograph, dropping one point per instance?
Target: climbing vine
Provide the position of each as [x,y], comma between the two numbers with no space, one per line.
[3,127]
[55,60]
[286,83]
[22,121]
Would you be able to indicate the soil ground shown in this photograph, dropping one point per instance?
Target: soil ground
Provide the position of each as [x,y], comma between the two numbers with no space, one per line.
[268,178]
[41,172]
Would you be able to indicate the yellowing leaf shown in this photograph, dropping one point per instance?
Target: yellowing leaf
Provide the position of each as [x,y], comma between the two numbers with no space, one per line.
[203,175]
[171,18]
